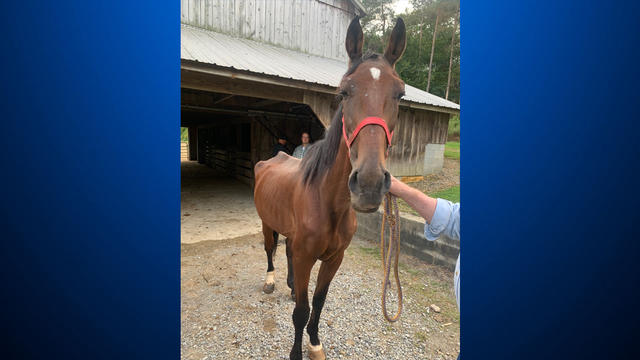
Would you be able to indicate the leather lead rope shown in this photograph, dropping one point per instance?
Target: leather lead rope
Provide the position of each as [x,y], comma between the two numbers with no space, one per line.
[390,252]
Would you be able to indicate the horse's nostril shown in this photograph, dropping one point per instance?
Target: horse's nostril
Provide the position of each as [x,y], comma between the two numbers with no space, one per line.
[387,182]
[353,182]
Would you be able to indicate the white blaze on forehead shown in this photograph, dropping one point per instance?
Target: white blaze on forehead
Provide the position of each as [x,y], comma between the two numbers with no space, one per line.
[375,73]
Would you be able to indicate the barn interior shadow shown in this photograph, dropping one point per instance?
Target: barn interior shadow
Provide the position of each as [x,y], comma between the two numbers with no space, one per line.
[214,206]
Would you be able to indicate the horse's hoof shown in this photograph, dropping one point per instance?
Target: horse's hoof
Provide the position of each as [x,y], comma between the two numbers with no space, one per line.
[268,288]
[269,283]
[316,352]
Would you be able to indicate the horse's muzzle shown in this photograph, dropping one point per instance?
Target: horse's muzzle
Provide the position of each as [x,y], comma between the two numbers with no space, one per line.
[368,189]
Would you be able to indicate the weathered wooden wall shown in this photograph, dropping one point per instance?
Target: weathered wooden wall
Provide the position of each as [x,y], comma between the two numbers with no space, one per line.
[323,105]
[234,146]
[223,149]
[262,142]
[292,24]
[264,132]
[414,130]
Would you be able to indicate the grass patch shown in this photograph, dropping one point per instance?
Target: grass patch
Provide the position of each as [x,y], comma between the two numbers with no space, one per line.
[421,336]
[454,127]
[434,293]
[452,154]
[371,251]
[451,194]
[452,150]
[452,145]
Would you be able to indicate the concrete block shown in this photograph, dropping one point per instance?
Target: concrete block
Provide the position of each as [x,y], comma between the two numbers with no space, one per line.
[443,252]
[433,158]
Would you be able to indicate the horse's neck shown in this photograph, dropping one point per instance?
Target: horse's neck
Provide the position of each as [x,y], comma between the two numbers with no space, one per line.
[336,181]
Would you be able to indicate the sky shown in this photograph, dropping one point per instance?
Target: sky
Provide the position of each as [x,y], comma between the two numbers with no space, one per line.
[400,6]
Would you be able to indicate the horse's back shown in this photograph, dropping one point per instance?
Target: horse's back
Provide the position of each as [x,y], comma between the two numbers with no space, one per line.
[280,163]
[275,182]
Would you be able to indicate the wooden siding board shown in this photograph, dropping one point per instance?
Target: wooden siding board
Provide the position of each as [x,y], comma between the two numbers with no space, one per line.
[306,25]
[415,129]
[269,22]
[316,34]
[422,136]
[413,145]
[202,12]
[249,21]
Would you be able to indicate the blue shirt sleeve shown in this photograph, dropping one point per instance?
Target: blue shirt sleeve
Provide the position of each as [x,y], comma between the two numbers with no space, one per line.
[445,221]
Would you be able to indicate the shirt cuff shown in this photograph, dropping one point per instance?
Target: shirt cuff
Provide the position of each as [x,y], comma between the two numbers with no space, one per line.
[439,221]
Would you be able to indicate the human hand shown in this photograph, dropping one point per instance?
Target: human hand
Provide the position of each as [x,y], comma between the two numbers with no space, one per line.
[396,186]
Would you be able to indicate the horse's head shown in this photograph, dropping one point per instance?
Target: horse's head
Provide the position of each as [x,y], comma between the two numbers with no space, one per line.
[371,92]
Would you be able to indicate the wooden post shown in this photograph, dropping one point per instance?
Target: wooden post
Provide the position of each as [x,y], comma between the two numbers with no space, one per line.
[433,46]
[453,37]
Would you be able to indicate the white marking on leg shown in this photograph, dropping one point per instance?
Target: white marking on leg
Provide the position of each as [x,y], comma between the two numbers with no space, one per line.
[270,278]
[315,348]
[375,73]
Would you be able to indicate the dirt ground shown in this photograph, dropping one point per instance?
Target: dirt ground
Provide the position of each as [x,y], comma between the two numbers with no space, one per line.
[432,183]
[214,207]
[225,314]
[448,177]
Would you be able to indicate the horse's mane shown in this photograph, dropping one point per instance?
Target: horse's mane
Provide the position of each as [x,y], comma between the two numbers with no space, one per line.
[322,154]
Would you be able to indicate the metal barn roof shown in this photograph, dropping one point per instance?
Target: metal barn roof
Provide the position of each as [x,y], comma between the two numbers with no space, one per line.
[243,54]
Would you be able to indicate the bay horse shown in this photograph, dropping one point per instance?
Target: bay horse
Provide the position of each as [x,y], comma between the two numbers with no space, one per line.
[312,201]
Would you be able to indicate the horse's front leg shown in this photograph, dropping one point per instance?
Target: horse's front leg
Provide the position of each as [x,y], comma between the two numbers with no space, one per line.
[301,269]
[327,271]
[290,269]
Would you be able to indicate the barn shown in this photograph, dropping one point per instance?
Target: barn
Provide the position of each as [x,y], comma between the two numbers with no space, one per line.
[253,69]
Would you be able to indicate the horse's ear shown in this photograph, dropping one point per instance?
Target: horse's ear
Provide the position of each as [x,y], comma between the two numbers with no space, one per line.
[355,40]
[397,43]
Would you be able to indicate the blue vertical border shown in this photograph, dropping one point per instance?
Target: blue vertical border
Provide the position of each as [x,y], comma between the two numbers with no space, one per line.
[548,167]
[91,193]
[90,205]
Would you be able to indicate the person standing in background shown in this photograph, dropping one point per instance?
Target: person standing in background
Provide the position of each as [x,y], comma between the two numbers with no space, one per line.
[302,149]
[280,146]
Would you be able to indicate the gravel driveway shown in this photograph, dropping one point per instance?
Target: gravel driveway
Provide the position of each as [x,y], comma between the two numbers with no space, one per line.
[225,315]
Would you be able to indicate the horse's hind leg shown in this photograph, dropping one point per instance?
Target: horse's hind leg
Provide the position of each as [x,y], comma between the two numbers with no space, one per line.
[327,271]
[270,246]
[290,269]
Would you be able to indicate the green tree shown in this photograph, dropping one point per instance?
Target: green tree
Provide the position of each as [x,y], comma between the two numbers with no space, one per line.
[184,134]
[420,23]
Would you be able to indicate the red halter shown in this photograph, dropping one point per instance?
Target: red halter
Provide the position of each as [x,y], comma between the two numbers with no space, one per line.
[371,120]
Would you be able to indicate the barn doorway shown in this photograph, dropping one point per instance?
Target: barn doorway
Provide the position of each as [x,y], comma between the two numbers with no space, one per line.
[227,135]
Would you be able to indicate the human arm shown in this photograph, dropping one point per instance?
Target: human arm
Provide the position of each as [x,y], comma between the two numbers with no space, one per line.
[419,201]
[442,216]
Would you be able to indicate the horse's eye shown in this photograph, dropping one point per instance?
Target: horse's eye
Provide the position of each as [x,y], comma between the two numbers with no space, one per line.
[399,96]
[344,93]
